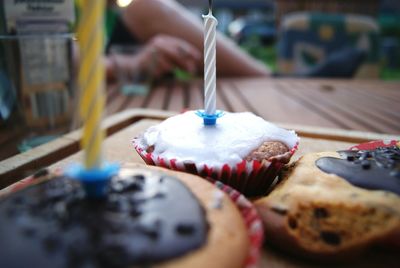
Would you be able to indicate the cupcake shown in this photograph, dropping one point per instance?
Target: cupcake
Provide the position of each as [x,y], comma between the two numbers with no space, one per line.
[241,150]
[331,206]
[148,218]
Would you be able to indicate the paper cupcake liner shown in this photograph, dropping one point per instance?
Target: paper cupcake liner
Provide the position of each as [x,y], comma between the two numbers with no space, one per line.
[375,144]
[247,210]
[251,178]
[252,221]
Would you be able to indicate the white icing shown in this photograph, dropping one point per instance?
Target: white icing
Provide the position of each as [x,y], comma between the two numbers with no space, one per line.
[185,138]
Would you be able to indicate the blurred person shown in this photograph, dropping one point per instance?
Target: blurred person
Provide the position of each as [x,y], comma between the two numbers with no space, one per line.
[171,37]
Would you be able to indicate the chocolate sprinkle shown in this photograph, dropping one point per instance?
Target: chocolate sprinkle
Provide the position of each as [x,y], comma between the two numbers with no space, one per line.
[320,213]
[331,238]
[377,169]
[143,221]
[292,223]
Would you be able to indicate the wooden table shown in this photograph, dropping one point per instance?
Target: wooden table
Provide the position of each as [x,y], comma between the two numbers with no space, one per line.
[122,127]
[313,107]
[363,105]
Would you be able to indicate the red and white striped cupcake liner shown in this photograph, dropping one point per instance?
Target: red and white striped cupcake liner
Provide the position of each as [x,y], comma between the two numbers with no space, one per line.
[375,144]
[251,178]
[252,221]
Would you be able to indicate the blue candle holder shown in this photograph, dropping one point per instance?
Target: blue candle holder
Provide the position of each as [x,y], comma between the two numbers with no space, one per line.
[209,119]
[94,181]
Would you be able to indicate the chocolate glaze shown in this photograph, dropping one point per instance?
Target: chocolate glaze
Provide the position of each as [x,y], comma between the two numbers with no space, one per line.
[143,220]
[377,169]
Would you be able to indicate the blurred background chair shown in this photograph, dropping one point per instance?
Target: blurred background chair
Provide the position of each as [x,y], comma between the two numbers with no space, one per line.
[389,23]
[244,29]
[360,7]
[309,42]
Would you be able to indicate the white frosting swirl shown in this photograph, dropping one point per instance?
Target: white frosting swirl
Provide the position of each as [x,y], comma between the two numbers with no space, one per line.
[185,138]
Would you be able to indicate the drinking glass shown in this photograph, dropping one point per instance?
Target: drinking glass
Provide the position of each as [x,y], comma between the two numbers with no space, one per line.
[37,90]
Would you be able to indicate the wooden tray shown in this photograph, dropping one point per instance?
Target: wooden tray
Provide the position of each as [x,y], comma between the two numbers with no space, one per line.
[121,128]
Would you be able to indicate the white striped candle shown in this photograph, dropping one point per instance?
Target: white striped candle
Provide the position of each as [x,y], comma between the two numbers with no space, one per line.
[210,34]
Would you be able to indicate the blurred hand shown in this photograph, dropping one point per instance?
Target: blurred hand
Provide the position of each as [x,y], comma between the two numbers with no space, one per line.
[161,55]
[166,53]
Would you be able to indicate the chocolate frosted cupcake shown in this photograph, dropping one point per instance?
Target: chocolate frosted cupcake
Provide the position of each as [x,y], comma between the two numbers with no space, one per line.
[241,150]
[147,218]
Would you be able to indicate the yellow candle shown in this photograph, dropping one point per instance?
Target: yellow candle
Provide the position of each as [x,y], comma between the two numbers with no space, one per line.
[91,79]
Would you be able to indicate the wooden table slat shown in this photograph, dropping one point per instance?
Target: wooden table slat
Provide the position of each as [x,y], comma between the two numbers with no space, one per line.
[235,100]
[348,108]
[237,91]
[120,101]
[222,102]
[390,114]
[317,107]
[196,96]
[155,99]
[383,108]
[332,110]
[284,108]
[378,98]
[174,103]
[223,99]
[385,92]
